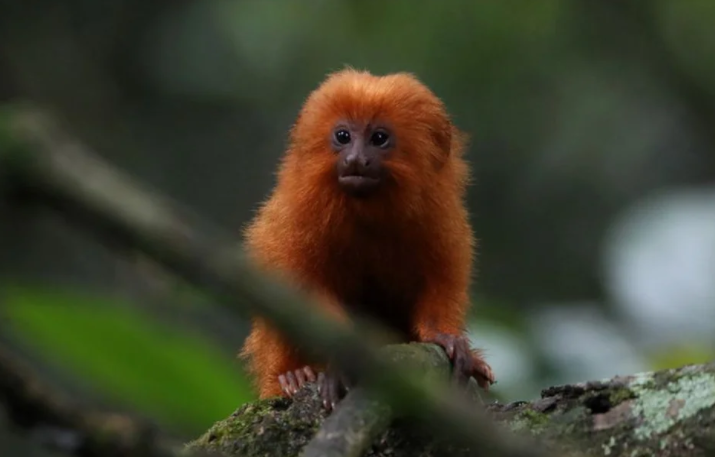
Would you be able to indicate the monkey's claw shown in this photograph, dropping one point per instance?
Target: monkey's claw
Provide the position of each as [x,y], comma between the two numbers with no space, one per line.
[332,387]
[466,362]
[292,381]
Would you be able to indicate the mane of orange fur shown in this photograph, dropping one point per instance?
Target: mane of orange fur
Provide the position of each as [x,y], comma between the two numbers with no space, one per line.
[311,233]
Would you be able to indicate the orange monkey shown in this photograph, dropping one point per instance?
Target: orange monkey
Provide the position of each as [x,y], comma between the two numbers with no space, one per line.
[368,215]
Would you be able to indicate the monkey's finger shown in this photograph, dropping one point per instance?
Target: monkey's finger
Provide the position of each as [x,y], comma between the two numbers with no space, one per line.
[309,374]
[470,360]
[321,382]
[292,383]
[447,342]
[483,374]
[300,377]
[482,381]
[284,385]
[334,389]
[325,393]
[449,349]
[329,393]
[461,369]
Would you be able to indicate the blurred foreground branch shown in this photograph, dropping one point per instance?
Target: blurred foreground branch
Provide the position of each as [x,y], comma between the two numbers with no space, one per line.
[59,425]
[54,169]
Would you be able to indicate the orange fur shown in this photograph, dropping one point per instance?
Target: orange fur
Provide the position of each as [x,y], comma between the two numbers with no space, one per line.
[412,247]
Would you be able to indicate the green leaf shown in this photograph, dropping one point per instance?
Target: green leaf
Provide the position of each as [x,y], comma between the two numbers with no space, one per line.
[179,379]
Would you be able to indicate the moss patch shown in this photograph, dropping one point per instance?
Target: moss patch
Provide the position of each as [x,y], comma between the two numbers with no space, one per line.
[660,409]
[619,395]
[278,424]
[529,420]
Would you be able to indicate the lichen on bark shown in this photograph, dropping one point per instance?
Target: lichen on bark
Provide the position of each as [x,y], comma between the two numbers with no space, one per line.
[666,413]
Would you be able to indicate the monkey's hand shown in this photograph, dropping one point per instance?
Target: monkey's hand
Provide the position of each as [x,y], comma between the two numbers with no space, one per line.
[466,362]
[292,381]
[332,387]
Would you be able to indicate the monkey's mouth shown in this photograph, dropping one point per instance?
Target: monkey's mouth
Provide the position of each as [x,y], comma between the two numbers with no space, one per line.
[357,185]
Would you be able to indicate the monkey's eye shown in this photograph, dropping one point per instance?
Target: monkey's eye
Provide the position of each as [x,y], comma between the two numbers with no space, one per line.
[342,136]
[379,138]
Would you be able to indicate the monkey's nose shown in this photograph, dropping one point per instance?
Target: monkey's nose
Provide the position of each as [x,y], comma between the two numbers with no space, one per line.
[359,173]
[356,164]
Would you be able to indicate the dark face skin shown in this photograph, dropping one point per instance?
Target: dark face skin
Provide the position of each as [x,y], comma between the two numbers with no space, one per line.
[361,149]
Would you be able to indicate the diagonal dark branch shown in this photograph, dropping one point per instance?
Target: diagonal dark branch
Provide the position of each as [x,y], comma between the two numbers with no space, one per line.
[361,416]
[60,425]
[350,429]
[59,172]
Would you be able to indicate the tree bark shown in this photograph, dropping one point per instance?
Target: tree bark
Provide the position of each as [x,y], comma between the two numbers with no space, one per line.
[666,413]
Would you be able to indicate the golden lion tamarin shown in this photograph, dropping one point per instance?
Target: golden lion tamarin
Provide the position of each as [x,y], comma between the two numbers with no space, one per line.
[368,216]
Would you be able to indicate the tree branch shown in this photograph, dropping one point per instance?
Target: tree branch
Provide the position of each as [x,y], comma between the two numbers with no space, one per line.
[362,416]
[58,171]
[352,427]
[62,426]
[670,413]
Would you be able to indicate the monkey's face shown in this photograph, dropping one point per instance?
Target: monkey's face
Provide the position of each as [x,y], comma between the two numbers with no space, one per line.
[380,141]
[361,149]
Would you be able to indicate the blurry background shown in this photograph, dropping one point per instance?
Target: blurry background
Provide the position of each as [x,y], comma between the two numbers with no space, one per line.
[593,139]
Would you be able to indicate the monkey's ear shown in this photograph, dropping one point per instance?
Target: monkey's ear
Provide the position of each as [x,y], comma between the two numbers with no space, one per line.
[442,135]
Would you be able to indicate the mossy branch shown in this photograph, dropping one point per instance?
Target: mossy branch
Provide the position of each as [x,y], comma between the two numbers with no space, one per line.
[56,170]
[670,413]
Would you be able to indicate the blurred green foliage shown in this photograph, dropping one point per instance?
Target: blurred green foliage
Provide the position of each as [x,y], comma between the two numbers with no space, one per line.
[165,372]
[692,352]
